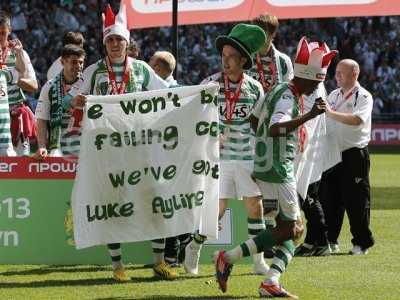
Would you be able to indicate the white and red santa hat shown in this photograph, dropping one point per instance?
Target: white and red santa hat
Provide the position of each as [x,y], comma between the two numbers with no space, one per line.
[115,24]
[312,60]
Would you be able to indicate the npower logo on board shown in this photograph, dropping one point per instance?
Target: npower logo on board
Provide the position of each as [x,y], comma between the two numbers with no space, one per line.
[56,167]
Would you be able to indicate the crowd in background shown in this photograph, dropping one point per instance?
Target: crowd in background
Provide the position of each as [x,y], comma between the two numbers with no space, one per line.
[372,41]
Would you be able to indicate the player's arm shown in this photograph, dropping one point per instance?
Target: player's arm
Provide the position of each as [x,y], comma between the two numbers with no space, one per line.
[27,81]
[345,118]
[256,110]
[41,152]
[362,110]
[28,85]
[284,127]
[42,114]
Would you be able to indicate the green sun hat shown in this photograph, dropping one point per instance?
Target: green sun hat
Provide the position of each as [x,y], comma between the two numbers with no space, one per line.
[245,38]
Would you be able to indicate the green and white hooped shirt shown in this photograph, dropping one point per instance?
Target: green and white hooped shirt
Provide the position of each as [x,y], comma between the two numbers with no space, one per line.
[15,93]
[273,160]
[281,64]
[239,142]
[142,78]
[7,77]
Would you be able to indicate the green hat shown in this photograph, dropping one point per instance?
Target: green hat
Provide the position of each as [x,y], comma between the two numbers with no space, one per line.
[245,38]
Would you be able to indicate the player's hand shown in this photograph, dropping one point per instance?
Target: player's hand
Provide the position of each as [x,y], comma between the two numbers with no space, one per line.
[78,101]
[319,107]
[16,45]
[40,154]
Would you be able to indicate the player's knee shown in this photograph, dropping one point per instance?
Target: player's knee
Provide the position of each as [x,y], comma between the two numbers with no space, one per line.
[254,207]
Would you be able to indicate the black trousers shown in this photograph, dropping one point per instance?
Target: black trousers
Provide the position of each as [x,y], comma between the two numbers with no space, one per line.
[317,230]
[346,188]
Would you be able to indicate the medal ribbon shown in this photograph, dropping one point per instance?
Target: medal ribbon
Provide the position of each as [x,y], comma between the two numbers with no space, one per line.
[272,69]
[3,58]
[231,97]
[115,89]
[302,133]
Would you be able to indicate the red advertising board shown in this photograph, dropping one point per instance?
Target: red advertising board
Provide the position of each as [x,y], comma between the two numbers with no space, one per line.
[385,134]
[155,13]
[28,168]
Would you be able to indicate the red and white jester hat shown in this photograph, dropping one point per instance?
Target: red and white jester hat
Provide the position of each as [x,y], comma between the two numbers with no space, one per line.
[115,24]
[312,60]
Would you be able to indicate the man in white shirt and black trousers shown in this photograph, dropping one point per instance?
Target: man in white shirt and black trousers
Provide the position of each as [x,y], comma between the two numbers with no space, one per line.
[346,186]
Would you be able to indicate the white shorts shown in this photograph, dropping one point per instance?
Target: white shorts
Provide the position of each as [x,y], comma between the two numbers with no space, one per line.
[235,180]
[286,196]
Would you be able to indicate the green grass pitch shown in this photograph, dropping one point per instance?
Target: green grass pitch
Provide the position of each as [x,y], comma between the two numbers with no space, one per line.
[371,277]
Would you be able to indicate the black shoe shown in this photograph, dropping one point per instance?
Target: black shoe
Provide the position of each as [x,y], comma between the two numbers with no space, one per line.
[304,250]
[322,250]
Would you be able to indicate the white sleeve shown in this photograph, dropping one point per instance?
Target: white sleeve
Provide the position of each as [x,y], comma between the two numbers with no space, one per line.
[213,78]
[257,108]
[283,110]
[30,72]
[363,106]
[289,74]
[206,80]
[83,87]
[155,81]
[43,106]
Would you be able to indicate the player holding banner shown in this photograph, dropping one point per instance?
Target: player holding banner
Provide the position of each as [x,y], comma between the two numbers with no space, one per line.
[117,73]
[237,98]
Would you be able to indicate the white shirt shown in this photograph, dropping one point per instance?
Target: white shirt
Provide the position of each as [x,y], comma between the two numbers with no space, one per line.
[55,69]
[360,104]
[43,106]
[283,109]
[171,81]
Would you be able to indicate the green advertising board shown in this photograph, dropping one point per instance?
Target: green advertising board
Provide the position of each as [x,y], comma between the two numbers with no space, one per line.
[34,203]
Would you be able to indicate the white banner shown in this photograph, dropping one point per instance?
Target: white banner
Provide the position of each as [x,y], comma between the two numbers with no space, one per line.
[148,166]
